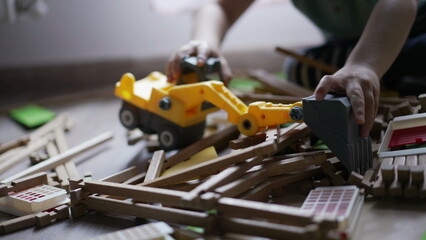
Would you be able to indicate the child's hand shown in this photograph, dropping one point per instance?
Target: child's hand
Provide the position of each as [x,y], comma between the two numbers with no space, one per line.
[361,85]
[202,51]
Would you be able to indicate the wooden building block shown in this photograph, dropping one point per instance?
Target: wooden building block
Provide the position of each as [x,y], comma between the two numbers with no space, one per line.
[61,158]
[4,147]
[410,187]
[278,86]
[329,170]
[417,174]
[166,214]
[213,166]
[241,185]
[233,207]
[326,181]
[222,178]
[219,140]
[259,193]
[388,173]
[156,165]
[403,173]
[18,223]
[247,141]
[60,170]
[294,164]
[268,229]
[395,188]
[62,145]
[422,101]
[253,97]
[122,175]
[422,186]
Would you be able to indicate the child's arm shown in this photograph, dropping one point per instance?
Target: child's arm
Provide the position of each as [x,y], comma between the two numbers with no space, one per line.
[381,41]
[211,23]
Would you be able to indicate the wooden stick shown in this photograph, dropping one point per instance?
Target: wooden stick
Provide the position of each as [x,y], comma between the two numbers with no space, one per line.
[173,215]
[218,140]
[252,97]
[241,185]
[278,86]
[294,164]
[121,176]
[13,144]
[20,155]
[251,209]
[309,61]
[156,165]
[61,158]
[223,177]
[422,186]
[259,193]
[213,166]
[395,188]
[410,189]
[62,147]
[269,229]
[60,170]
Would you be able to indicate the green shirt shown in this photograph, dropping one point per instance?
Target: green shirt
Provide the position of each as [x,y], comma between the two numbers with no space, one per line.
[339,19]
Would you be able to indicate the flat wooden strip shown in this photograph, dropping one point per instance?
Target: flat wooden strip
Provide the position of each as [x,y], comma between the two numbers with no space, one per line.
[156,165]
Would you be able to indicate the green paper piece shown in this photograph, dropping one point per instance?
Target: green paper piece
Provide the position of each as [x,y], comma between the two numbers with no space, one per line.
[32,115]
[423,237]
[244,84]
[195,229]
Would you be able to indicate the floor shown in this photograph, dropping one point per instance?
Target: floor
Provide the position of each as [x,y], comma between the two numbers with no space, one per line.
[385,219]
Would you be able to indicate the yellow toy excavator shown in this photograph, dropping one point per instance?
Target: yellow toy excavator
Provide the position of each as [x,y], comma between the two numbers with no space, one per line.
[177,112]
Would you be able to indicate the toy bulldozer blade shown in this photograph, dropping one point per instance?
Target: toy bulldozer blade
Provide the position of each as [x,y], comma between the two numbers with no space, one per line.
[333,122]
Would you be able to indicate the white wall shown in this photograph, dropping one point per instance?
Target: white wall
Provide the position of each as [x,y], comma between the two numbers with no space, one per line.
[93,30]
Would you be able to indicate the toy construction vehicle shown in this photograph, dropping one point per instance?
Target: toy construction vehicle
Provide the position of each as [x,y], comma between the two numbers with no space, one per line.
[177,112]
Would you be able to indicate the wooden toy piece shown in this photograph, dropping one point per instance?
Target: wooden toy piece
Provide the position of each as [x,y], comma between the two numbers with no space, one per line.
[37,157]
[410,187]
[290,134]
[60,121]
[269,229]
[135,179]
[422,186]
[395,188]
[156,165]
[4,147]
[294,164]
[247,141]
[62,158]
[218,140]
[417,174]
[18,223]
[278,86]
[46,218]
[134,136]
[287,179]
[401,109]
[422,101]
[253,97]
[233,207]
[62,147]
[241,185]
[149,231]
[322,182]
[221,178]
[7,163]
[388,173]
[166,214]
[34,199]
[139,193]
[329,170]
[213,166]
[259,193]
[308,61]
[60,170]
[23,183]
[122,175]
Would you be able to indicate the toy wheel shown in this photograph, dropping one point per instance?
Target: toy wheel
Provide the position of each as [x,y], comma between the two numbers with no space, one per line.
[168,138]
[128,117]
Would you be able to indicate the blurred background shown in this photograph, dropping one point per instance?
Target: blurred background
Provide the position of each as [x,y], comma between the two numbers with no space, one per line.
[51,48]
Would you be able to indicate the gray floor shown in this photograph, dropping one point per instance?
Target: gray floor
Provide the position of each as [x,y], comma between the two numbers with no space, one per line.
[396,219]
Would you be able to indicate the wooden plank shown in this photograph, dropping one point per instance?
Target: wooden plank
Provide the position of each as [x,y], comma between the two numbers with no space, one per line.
[61,158]
[213,166]
[62,145]
[60,170]
[325,67]
[241,185]
[18,223]
[4,147]
[253,97]
[218,140]
[22,154]
[294,164]
[259,193]
[140,210]
[247,141]
[269,229]
[156,165]
[276,85]
[422,186]
[410,189]
[223,177]
[395,188]
[121,176]
[234,207]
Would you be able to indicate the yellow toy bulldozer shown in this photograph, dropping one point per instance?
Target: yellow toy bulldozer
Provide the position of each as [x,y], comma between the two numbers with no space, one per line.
[177,112]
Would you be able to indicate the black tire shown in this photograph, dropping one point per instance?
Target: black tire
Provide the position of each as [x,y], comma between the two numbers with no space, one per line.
[129,117]
[168,138]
